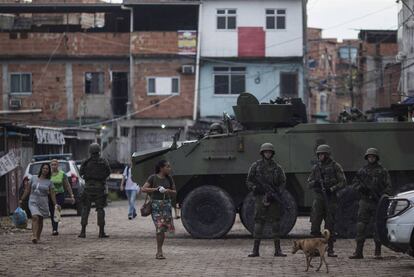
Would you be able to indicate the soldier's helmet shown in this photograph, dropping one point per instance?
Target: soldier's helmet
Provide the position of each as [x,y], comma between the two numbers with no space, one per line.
[216,128]
[267,147]
[323,148]
[372,151]
[94,148]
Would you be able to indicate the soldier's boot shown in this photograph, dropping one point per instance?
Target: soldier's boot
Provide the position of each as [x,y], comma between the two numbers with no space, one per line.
[331,252]
[83,232]
[256,247]
[101,219]
[278,250]
[358,251]
[102,232]
[377,253]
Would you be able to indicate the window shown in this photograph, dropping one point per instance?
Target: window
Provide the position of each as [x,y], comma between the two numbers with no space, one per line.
[229,80]
[94,83]
[124,131]
[20,83]
[226,19]
[289,84]
[163,85]
[346,52]
[275,19]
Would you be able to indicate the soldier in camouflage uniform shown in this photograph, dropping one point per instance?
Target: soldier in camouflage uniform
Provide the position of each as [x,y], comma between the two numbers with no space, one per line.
[371,182]
[95,171]
[326,178]
[266,210]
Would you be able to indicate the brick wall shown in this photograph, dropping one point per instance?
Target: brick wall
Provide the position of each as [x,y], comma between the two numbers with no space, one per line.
[1,87]
[389,93]
[385,49]
[48,90]
[154,43]
[71,44]
[94,105]
[67,1]
[180,106]
[379,74]
[324,53]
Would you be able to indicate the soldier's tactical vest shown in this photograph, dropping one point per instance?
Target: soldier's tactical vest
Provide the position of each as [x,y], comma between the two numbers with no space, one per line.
[96,169]
[374,177]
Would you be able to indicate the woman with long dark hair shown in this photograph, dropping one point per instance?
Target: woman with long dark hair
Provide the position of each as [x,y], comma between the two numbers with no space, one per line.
[40,188]
[161,188]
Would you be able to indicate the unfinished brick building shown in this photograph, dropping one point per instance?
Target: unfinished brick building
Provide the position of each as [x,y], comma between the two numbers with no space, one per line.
[70,64]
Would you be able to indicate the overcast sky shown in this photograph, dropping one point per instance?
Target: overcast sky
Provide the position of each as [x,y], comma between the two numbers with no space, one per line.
[352,15]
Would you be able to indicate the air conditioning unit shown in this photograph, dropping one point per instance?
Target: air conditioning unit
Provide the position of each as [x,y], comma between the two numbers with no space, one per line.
[15,103]
[187,69]
[401,56]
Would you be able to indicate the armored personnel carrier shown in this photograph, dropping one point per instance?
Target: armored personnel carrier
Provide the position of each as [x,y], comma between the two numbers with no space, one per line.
[210,173]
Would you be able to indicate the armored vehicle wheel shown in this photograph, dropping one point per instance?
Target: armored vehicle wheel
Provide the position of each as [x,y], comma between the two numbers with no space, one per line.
[208,212]
[288,219]
[346,214]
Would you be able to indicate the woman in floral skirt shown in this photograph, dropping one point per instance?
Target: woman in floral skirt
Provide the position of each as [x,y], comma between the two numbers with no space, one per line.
[161,188]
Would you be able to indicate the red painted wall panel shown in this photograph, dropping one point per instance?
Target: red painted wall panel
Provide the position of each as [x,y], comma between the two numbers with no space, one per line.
[251,42]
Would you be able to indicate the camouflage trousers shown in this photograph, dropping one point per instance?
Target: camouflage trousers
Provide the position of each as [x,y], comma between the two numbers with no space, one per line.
[89,196]
[265,214]
[366,215]
[321,212]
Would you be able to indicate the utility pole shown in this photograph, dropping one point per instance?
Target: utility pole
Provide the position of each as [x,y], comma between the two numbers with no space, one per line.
[351,85]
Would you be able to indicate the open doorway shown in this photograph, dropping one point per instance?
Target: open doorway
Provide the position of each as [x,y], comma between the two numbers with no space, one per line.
[119,93]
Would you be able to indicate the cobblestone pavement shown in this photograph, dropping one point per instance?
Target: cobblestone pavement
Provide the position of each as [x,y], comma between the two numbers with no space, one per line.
[130,251]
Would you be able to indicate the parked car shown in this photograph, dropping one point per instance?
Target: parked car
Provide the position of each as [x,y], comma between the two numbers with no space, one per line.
[69,167]
[395,222]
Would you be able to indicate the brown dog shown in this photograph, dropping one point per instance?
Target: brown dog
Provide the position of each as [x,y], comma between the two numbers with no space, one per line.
[313,247]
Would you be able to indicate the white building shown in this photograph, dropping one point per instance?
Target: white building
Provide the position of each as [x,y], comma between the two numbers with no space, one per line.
[254,46]
[406,46]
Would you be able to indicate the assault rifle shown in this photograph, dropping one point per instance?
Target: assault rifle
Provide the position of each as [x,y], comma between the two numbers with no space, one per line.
[368,188]
[272,193]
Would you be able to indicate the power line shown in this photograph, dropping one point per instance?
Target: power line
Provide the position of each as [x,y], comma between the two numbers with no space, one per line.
[335,26]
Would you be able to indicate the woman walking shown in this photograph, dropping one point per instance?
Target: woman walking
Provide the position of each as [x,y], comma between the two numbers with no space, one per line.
[161,188]
[40,188]
[60,182]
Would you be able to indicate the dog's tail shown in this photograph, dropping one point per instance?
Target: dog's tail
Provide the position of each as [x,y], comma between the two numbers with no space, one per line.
[326,234]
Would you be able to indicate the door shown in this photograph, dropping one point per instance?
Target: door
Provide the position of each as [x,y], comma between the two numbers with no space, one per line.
[119,93]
